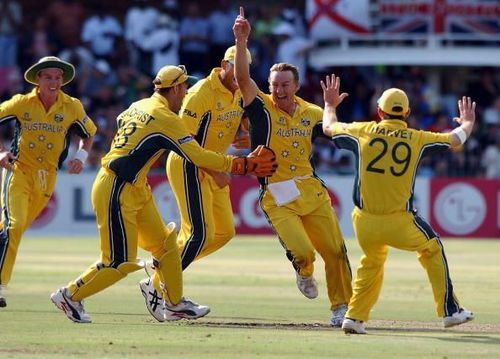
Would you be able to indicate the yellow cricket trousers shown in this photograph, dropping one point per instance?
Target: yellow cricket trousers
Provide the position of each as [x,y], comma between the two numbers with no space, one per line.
[206,213]
[406,231]
[25,193]
[127,217]
[307,224]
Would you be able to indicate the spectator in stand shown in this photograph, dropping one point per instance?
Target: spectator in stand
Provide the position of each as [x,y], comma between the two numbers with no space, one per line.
[171,8]
[293,16]
[194,40]
[491,157]
[66,17]
[10,25]
[13,84]
[41,41]
[492,113]
[130,84]
[262,45]
[220,22]
[441,123]
[140,20]
[266,19]
[97,85]
[100,31]
[292,48]
[485,89]
[163,42]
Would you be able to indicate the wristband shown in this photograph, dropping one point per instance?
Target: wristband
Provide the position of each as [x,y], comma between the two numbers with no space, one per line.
[462,135]
[81,155]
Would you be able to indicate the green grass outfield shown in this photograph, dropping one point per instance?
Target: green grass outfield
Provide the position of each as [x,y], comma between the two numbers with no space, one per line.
[257,311]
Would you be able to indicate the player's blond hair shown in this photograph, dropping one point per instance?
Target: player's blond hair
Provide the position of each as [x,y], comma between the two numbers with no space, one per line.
[283,66]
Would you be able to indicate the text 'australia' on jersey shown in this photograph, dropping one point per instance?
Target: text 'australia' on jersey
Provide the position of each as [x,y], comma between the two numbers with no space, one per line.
[290,137]
[387,154]
[212,113]
[41,138]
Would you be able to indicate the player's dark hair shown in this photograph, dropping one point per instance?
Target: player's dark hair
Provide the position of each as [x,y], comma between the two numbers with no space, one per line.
[393,117]
[283,66]
[163,91]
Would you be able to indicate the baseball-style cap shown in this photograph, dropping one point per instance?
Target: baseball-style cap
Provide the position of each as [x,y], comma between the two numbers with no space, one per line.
[50,62]
[169,76]
[394,102]
[231,52]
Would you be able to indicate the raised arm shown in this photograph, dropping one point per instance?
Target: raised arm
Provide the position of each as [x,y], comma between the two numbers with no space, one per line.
[332,98]
[248,87]
[467,110]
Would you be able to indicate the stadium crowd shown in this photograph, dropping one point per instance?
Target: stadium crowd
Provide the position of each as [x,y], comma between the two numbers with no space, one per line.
[118,47]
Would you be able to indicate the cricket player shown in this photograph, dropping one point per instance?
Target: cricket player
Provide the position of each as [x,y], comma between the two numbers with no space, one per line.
[127,216]
[211,112]
[388,154]
[295,201]
[44,120]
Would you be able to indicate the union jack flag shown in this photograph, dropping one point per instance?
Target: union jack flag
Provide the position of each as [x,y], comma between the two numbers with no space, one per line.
[438,16]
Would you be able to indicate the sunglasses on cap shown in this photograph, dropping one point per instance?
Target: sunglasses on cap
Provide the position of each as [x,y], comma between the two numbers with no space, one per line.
[184,72]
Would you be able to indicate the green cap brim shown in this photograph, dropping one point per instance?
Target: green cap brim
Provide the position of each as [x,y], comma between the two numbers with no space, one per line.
[68,71]
[192,80]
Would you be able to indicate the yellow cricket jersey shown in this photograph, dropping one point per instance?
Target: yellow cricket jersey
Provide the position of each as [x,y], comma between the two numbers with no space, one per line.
[290,137]
[387,154]
[42,137]
[212,113]
[146,130]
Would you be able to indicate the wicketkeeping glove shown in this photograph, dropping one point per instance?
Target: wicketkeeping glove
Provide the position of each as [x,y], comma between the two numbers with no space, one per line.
[260,163]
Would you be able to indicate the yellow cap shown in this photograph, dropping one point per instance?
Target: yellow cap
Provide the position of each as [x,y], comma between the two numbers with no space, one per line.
[394,102]
[169,76]
[231,52]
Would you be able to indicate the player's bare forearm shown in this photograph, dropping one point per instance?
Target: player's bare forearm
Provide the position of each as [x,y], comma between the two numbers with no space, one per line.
[241,31]
[222,179]
[329,119]
[76,164]
[6,159]
[86,143]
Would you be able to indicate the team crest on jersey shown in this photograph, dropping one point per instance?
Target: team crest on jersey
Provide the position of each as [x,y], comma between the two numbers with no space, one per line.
[305,122]
[185,139]
[26,116]
[58,117]
[219,106]
[281,121]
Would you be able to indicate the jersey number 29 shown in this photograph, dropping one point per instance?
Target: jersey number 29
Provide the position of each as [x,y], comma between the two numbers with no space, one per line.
[400,153]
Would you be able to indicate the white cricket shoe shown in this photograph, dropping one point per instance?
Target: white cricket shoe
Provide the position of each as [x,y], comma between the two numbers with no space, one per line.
[352,326]
[73,310]
[154,300]
[307,286]
[185,309]
[462,316]
[338,316]
[3,302]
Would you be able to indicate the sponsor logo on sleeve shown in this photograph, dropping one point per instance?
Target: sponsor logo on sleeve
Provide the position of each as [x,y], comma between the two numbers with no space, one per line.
[190,113]
[185,139]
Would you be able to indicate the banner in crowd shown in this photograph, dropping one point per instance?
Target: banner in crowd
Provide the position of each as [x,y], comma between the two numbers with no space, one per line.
[330,19]
[455,208]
